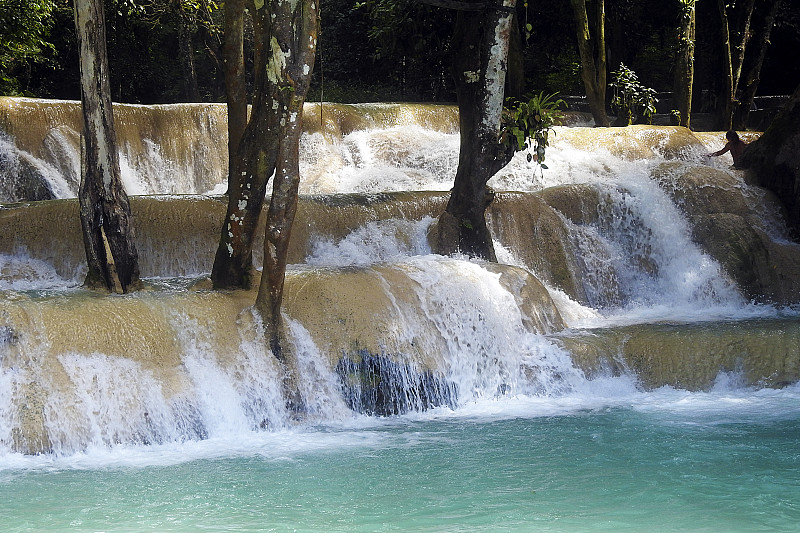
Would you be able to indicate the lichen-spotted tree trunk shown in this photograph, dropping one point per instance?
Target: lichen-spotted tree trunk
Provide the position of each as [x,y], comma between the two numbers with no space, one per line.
[251,169]
[593,58]
[104,209]
[774,159]
[480,48]
[291,54]
[684,64]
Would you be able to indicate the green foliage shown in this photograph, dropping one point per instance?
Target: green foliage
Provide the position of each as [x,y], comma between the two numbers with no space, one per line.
[527,124]
[24,30]
[630,97]
[405,60]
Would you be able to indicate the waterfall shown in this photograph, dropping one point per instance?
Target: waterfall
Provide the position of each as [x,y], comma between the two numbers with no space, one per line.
[182,148]
[631,263]
[169,149]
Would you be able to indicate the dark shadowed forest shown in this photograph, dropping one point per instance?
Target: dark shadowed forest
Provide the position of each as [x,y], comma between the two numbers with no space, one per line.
[164,51]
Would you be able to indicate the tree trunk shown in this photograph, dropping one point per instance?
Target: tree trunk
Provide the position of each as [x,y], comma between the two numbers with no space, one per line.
[256,156]
[293,47]
[515,77]
[235,86]
[774,159]
[733,56]
[684,65]
[741,39]
[105,212]
[753,77]
[481,41]
[593,71]
[727,98]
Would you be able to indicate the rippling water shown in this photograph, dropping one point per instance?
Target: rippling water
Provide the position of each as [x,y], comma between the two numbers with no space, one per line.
[607,459]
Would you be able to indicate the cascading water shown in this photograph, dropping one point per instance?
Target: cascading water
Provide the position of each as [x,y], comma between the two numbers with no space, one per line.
[40,146]
[614,343]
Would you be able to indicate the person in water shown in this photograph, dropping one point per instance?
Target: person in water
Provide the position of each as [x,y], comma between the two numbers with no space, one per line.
[734,145]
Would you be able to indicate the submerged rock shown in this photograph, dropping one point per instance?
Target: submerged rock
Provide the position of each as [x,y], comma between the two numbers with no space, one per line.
[378,385]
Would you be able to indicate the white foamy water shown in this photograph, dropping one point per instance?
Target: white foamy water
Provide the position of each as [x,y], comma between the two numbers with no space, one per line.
[375,242]
[638,263]
[402,158]
[641,245]
[23,273]
[16,164]
[488,350]
[725,404]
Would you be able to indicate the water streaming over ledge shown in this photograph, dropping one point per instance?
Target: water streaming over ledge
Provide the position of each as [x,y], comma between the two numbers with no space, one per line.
[644,315]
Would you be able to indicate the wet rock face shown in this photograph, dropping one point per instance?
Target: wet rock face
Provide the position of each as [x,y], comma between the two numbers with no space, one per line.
[377,385]
[762,353]
[774,159]
[740,249]
[539,237]
[730,228]
[20,180]
[580,203]
[636,142]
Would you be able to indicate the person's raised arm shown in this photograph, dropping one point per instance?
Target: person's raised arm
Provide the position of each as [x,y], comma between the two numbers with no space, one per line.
[727,148]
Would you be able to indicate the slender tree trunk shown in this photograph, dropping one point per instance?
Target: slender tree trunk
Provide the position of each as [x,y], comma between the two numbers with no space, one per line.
[740,40]
[733,56]
[479,73]
[235,87]
[256,156]
[295,26]
[515,77]
[105,212]
[684,66]
[593,59]
[727,69]
[753,76]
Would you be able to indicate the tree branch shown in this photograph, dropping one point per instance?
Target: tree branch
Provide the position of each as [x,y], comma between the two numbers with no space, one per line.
[458,5]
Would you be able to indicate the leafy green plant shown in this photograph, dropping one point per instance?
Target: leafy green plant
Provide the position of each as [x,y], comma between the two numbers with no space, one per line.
[24,39]
[630,97]
[528,123]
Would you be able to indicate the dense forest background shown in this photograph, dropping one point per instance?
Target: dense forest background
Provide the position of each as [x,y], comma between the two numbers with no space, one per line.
[165,51]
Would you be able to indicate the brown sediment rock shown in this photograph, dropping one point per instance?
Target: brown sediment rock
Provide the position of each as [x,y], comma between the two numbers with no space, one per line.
[692,356]
[634,142]
[541,239]
[727,222]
